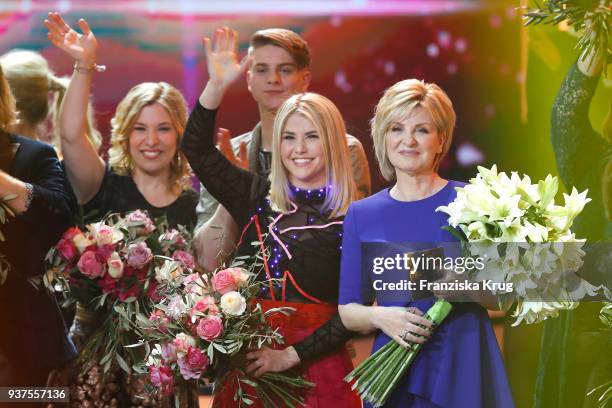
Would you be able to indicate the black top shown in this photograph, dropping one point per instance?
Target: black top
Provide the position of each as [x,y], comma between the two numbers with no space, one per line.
[119,194]
[315,252]
[34,337]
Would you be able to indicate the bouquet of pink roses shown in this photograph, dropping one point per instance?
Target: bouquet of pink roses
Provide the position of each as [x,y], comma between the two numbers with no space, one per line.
[203,329]
[113,269]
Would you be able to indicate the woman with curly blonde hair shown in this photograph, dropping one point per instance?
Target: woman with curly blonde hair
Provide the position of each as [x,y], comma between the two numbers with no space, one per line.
[146,171]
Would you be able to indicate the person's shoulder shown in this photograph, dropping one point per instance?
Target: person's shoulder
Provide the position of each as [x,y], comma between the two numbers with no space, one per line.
[371,203]
[32,146]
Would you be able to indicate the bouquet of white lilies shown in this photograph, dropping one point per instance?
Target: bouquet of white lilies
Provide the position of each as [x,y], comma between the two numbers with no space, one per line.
[524,238]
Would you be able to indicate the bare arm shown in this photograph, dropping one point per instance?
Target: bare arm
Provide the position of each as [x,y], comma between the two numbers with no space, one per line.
[401,324]
[85,169]
[11,186]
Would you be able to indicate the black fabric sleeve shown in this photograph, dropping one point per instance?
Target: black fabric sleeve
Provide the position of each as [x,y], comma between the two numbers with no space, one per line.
[576,144]
[53,202]
[51,211]
[579,150]
[236,189]
[326,339]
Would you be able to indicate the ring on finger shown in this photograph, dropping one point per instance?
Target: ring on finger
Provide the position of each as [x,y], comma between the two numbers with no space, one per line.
[405,335]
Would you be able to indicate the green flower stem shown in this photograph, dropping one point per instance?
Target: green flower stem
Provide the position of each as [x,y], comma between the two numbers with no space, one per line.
[377,376]
[399,355]
[369,362]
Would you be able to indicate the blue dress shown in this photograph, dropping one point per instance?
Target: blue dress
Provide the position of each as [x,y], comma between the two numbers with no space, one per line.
[461,365]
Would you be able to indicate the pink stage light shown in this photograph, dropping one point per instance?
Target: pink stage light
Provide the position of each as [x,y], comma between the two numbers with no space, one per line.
[264,7]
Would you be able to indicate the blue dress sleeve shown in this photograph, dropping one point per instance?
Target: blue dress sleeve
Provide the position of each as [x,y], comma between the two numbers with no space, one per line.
[355,285]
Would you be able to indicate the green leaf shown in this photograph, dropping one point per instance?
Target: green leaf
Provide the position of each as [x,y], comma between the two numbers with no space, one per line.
[219,347]
[124,366]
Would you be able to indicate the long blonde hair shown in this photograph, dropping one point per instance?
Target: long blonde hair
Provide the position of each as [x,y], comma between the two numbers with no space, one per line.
[31,81]
[7,104]
[327,120]
[129,108]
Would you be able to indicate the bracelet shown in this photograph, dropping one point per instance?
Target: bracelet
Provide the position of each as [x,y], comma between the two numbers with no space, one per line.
[29,195]
[86,70]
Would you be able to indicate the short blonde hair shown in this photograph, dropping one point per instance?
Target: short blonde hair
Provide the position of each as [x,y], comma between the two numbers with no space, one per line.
[398,102]
[127,112]
[7,104]
[291,42]
[327,120]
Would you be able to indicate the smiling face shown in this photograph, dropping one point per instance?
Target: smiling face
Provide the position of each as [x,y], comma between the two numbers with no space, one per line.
[274,76]
[153,140]
[413,142]
[302,153]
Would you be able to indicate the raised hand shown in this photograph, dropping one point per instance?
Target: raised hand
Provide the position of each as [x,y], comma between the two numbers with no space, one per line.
[81,47]
[222,57]
[225,146]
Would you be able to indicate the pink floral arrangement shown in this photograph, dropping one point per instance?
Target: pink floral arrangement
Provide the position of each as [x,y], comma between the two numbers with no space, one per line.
[118,258]
[202,330]
[120,264]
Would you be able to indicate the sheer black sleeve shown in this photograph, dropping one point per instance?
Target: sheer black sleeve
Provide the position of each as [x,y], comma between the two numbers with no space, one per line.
[236,189]
[579,150]
[326,339]
[576,144]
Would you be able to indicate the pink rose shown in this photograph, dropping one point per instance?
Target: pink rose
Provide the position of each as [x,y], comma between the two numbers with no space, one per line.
[104,234]
[197,359]
[163,378]
[168,352]
[115,266]
[207,303]
[140,219]
[240,276]
[83,242]
[71,233]
[160,319]
[193,363]
[172,238]
[185,258]
[182,342]
[67,249]
[224,281]
[210,327]
[89,266]
[104,252]
[139,255]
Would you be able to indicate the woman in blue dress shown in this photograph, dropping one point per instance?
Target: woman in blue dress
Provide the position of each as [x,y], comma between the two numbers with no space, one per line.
[460,364]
